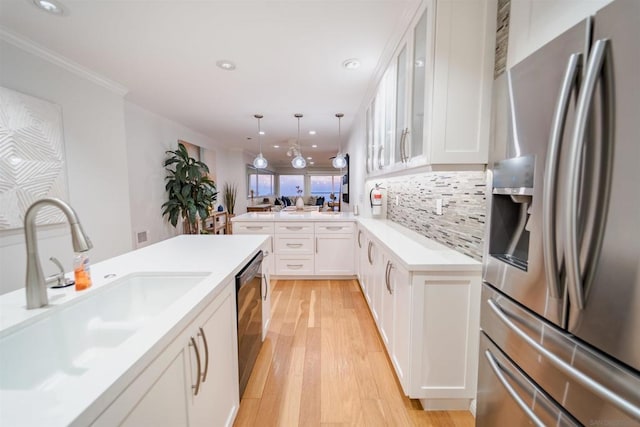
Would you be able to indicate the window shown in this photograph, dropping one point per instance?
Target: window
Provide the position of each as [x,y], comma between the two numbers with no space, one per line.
[324,185]
[260,181]
[288,184]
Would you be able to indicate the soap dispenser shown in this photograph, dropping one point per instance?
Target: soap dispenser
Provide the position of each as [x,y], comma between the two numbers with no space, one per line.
[82,271]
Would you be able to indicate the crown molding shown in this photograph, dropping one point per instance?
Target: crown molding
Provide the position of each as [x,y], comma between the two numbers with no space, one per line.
[59,60]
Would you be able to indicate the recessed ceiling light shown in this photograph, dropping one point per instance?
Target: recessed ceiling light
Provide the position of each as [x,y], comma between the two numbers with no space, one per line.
[276,146]
[261,132]
[51,6]
[312,163]
[309,158]
[312,132]
[351,64]
[314,146]
[226,65]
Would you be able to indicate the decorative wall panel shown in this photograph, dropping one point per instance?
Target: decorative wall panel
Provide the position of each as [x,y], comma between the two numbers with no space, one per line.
[32,160]
[461,225]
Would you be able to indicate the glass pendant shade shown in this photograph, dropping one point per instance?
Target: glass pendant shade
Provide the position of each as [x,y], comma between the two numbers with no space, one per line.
[298,162]
[339,161]
[260,162]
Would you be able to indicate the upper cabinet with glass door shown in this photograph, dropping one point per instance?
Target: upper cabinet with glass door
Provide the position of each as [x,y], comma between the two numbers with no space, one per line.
[432,106]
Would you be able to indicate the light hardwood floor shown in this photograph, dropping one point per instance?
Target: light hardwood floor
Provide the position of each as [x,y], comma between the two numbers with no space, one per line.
[323,364]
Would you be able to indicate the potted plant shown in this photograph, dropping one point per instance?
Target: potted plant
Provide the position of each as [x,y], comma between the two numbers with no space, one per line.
[229,193]
[191,192]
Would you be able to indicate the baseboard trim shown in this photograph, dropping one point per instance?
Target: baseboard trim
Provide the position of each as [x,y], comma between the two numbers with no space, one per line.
[446,404]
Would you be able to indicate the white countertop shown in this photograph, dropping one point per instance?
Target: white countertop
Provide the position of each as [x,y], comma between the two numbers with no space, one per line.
[220,256]
[416,252]
[295,216]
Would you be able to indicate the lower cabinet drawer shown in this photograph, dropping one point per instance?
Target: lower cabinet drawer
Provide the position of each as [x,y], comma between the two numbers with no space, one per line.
[292,244]
[294,265]
[258,227]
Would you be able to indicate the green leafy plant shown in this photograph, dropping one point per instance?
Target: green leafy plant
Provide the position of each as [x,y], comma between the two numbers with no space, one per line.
[191,193]
[229,193]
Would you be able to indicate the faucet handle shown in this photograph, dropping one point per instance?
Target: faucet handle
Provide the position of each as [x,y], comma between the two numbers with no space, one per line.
[61,281]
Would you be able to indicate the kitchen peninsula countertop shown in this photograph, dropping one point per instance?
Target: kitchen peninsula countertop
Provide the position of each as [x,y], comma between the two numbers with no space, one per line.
[312,216]
[80,398]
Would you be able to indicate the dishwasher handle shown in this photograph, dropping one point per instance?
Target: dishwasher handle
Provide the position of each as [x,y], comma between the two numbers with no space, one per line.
[251,270]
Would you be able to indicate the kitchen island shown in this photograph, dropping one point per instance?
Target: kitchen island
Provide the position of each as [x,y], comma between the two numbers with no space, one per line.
[125,351]
[305,243]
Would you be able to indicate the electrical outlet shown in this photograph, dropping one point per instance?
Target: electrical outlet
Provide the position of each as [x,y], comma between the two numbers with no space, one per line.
[397,200]
[438,206]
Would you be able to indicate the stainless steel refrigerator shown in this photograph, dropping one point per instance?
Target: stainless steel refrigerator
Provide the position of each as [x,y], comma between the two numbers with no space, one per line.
[560,319]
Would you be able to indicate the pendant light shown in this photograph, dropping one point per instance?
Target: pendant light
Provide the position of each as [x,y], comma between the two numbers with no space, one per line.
[298,161]
[339,160]
[259,162]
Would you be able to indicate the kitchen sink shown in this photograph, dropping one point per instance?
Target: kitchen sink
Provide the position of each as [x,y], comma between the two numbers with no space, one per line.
[70,339]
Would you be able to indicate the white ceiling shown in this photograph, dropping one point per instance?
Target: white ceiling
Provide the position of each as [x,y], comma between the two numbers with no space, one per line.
[288,56]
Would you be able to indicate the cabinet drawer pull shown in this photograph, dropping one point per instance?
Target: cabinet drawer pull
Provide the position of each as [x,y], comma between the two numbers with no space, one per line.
[254,227]
[266,287]
[196,388]
[206,354]
[292,228]
[359,242]
[369,252]
[295,266]
[316,245]
[334,228]
[388,278]
[294,245]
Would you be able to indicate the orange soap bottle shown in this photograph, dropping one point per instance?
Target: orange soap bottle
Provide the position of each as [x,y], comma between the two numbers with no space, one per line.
[82,271]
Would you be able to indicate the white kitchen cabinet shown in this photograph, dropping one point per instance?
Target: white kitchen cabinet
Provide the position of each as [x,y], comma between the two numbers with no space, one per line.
[307,248]
[428,318]
[158,405]
[334,254]
[432,105]
[400,352]
[386,304]
[217,401]
[444,336]
[394,320]
[258,227]
[376,279]
[181,387]
[266,295]
[334,249]
[359,253]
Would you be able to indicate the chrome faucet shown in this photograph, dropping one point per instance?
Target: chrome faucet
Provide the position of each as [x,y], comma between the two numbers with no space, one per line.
[36,283]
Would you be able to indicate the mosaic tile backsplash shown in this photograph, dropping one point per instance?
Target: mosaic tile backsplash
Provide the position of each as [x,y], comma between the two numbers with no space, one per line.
[461,226]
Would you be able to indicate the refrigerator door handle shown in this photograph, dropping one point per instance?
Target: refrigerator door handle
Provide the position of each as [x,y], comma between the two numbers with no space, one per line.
[604,393]
[549,193]
[496,367]
[577,287]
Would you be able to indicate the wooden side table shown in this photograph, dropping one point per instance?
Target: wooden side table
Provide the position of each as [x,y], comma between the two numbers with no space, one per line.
[264,207]
[217,223]
[334,205]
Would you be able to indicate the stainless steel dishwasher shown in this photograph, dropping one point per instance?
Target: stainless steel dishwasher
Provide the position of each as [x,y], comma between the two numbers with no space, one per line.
[249,310]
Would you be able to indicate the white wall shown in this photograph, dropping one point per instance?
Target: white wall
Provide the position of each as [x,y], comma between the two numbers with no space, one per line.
[536,22]
[149,136]
[94,135]
[356,149]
